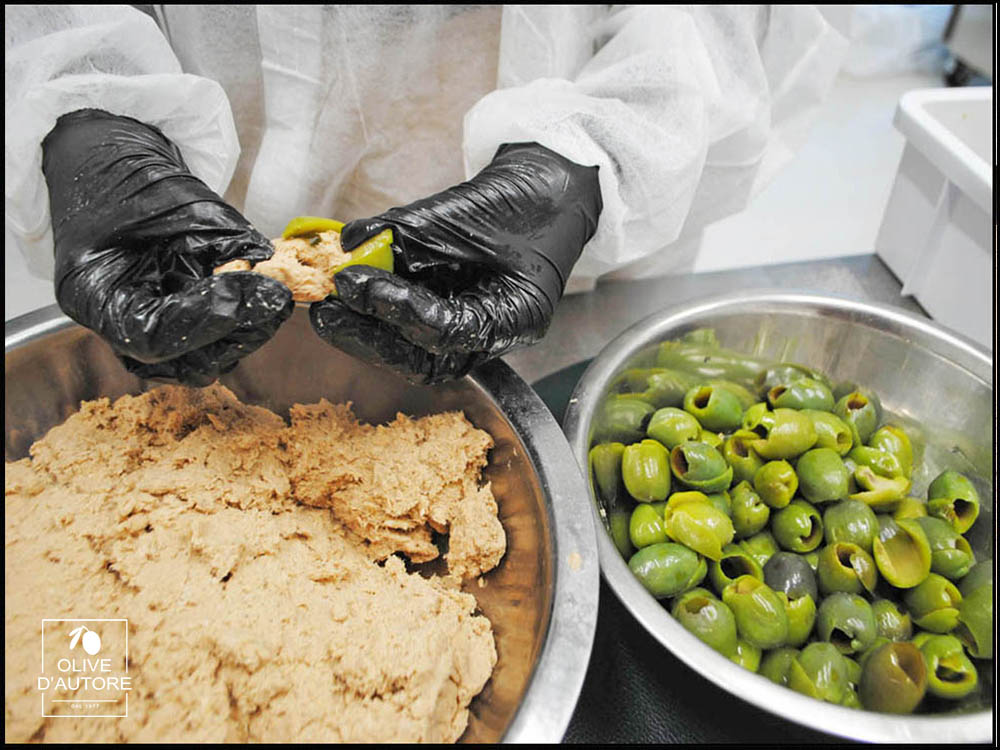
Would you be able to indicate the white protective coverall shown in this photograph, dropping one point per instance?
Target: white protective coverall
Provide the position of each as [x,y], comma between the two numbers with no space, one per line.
[344,111]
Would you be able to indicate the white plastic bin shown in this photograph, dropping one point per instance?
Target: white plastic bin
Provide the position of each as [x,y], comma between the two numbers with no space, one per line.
[937,233]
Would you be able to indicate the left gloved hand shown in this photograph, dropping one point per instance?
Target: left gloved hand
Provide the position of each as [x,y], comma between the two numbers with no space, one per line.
[479,267]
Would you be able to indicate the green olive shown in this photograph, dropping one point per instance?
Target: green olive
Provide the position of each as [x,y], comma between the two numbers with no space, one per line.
[952,496]
[667,569]
[718,409]
[693,521]
[708,361]
[934,604]
[783,433]
[776,663]
[735,562]
[761,546]
[910,507]
[671,427]
[892,623]
[646,525]
[622,419]
[700,467]
[979,575]
[618,523]
[846,621]
[722,501]
[880,493]
[846,567]
[950,674]
[713,439]
[657,386]
[860,413]
[788,372]
[975,622]
[804,393]
[741,456]
[902,552]
[850,521]
[646,471]
[801,614]
[605,462]
[798,527]
[893,439]
[760,612]
[894,679]
[822,475]
[819,671]
[882,463]
[776,483]
[708,618]
[747,655]
[951,554]
[750,513]
[831,431]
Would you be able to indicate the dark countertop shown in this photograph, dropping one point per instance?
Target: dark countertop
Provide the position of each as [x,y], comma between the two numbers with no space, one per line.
[635,690]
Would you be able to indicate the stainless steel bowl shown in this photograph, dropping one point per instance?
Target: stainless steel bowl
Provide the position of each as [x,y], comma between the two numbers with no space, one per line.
[938,383]
[542,599]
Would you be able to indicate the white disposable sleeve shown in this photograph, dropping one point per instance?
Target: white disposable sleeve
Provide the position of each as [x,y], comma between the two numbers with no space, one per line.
[59,59]
[685,110]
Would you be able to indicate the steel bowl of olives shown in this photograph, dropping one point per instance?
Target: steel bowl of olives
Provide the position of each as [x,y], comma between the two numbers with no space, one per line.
[796,498]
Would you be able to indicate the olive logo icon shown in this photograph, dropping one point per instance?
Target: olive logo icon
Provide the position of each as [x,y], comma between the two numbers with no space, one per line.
[88,638]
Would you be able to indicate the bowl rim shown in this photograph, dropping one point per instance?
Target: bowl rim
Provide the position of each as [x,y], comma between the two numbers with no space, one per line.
[556,681]
[741,683]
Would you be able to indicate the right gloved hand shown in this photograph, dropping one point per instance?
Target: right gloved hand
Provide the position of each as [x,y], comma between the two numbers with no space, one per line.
[136,239]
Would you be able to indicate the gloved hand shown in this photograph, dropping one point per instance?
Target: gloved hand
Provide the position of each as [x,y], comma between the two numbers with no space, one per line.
[479,267]
[136,239]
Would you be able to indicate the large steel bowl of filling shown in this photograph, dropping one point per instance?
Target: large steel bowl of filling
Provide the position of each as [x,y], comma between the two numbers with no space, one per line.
[541,599]
[936,384]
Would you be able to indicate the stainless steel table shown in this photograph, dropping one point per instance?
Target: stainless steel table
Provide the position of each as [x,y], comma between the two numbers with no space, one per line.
[635,690]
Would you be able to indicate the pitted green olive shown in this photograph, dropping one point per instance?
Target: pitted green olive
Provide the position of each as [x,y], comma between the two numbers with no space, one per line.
[975,622]
[783,433]
[860,413]
[880,493]
[606,469]
[797,527]
[776,663]
[902,552]
[934,604]
[894,679]
[646,471]
[801,614]
[850,521]
[722,501]
[776,483]
[739,454]
[761,546]
[822,475]
[646,525]
[693,521]
[893,439]
[819,671]
[749,513]
[910,507]
[882,463]
[788,372]
[846,567]
[760,612]
[708,618]
[891,622]
[747,655]
[718,409]
[831,431]
[671,427]
[622,419]
[700,467]
[846,621]
[735,562]
[668,569]
[952,496]
[708,361]
[950,674]
[979,575]
[951,554]
[804,393]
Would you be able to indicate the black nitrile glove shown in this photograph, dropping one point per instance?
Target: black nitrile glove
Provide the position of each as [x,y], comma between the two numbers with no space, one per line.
[136,239]
[479,267]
